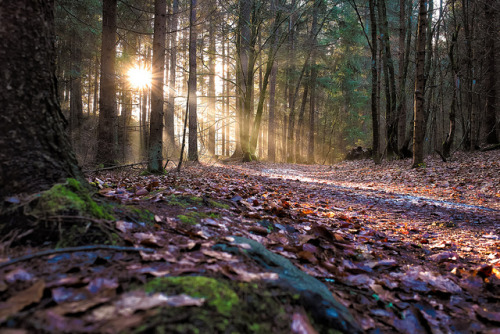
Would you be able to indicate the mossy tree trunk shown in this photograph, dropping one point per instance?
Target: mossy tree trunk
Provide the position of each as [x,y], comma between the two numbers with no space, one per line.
[35,152]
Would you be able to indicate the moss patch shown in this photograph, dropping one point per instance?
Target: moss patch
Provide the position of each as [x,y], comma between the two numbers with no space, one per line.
[183,201]
[138,215]
[218,205]
[65,215]
[218,294]
[230,307]
[68,198]
[194,217]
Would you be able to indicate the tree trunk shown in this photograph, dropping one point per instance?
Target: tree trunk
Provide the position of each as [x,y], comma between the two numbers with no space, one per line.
[299,134]
[96,86]
[290,73]
[193,121]
[419,104]
[374,100]
[170,110]
[390,81]
[491,72]
[271,126]
[107,136]
[35,152]
[211,87]
[75,102]
[404,57]
[312,108]
[453,108]
[245,73]
[155,147]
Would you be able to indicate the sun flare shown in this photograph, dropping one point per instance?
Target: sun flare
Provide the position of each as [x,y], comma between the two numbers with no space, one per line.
[139,77]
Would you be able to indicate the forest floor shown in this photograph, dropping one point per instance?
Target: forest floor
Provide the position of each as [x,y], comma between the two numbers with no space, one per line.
[403,250]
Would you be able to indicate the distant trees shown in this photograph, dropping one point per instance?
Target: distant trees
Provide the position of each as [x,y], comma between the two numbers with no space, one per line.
[283,80]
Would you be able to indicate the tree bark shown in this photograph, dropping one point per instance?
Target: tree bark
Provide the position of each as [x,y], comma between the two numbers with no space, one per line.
[211,86]
[35,152]
[75,105]
[448,142]
[170,110]
[271,129]
[390,81]
[374,100]
[419,104]
[155,147]
[492,72]
[107,136]
[193,121]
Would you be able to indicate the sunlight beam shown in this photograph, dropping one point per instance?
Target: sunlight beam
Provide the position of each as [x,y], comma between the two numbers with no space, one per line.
[139,77]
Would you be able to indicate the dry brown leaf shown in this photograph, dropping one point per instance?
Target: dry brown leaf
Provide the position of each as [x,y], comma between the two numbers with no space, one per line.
[22,299]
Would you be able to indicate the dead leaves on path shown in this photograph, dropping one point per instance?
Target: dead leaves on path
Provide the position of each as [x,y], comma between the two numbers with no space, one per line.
[399,263]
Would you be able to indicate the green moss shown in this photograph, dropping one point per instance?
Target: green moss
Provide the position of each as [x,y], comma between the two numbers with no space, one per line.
[181,201]
[140,215]
[194,217]
[230,307]
[187,219]
[218,294]
[69,197]
[218,205]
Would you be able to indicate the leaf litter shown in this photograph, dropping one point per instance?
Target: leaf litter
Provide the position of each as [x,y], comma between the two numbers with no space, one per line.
[405,250]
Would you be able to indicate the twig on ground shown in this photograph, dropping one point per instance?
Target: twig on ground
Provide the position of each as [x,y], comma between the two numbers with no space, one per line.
[74,249]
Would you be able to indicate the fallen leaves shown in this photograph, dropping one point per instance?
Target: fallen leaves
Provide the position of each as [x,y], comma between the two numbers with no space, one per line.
[20,300]
[407,251]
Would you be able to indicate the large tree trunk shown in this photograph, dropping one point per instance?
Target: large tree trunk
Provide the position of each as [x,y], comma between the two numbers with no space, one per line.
[155,148]
[193,122]
[107,136]
[418,110]
[35,152]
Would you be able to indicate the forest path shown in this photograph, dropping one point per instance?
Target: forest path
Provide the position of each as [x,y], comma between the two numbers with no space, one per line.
[414,210]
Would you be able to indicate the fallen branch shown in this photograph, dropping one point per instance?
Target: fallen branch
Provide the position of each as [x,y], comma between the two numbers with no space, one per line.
[74,249]
[114,167]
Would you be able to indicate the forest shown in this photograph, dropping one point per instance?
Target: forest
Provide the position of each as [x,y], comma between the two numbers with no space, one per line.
[284,81]
[249,166]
